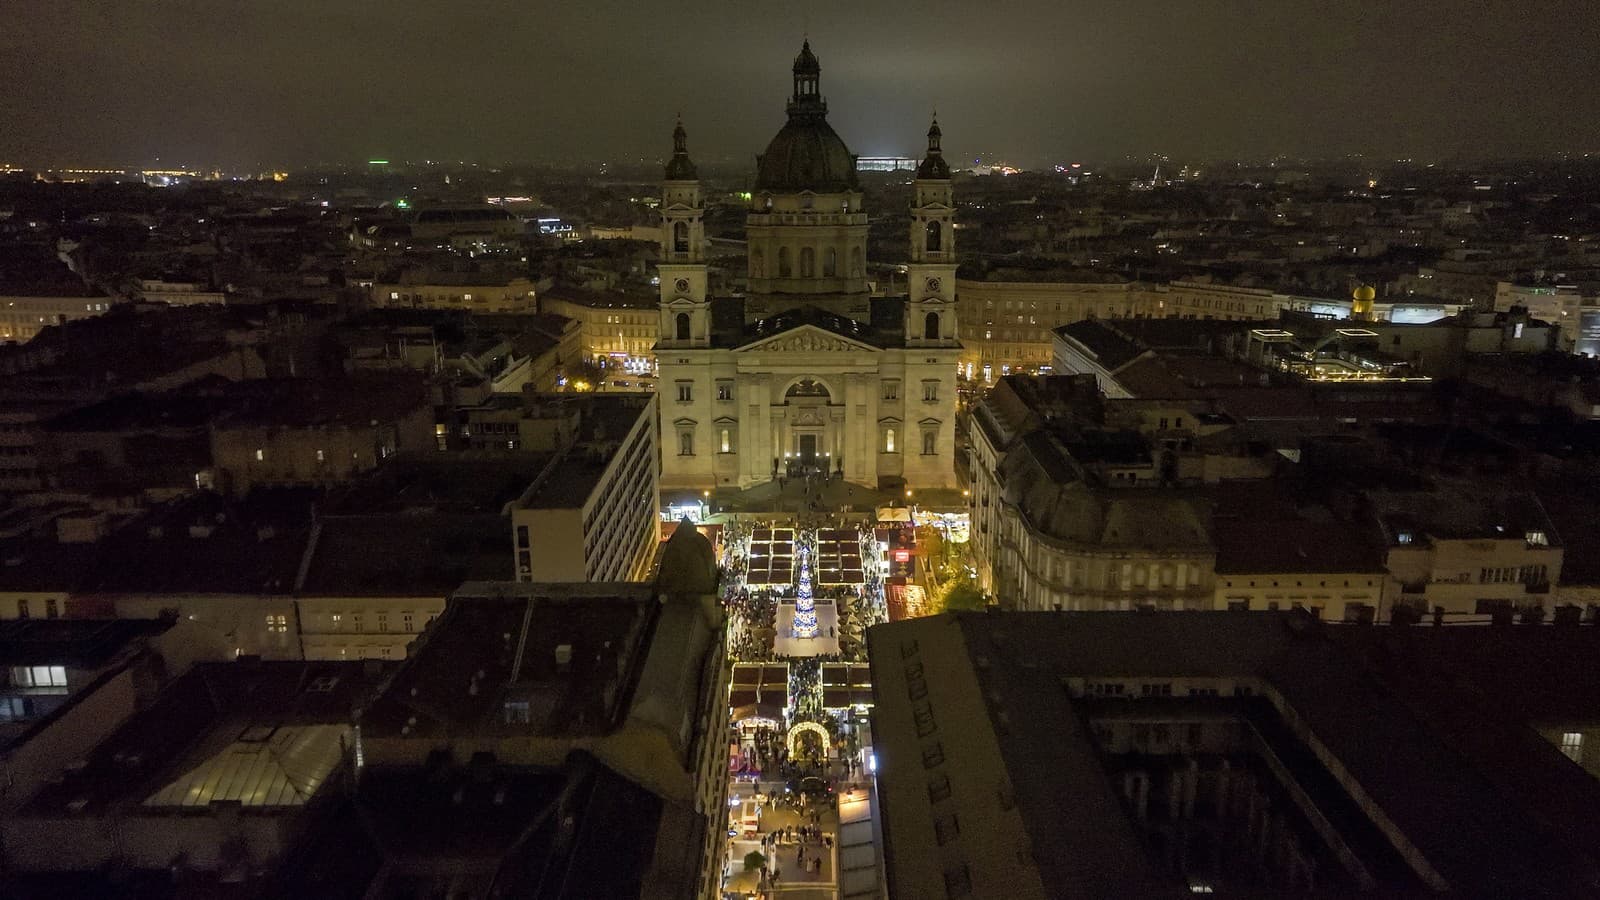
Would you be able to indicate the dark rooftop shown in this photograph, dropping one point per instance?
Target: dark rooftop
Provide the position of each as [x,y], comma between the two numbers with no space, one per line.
[216,715]
[1493,808]
[567,833]
[521,684]
[323,402]
[76,643]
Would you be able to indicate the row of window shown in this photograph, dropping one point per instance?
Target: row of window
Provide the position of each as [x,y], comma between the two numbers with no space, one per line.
[808,263]
[52,609]
[891,390]
[726,443]
[1514,575]
[355,621]
[39,676]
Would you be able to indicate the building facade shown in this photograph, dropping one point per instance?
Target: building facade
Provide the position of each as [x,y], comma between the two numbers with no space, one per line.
[23,316]
[476,294]
[808,369]
[591,514]
[617,333]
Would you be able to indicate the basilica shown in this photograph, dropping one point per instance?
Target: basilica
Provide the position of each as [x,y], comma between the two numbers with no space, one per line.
[813,366]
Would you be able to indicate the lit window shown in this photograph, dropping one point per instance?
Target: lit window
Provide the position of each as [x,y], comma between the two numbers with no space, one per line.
[1538,539]
[39,676]
[278,624]
[888,440]
[260,454]
[1403,537]
[321,457]
[1572,745]
[727,442]
[335,621]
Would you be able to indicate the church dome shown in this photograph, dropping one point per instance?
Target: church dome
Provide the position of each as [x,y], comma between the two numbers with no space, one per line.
[806,154]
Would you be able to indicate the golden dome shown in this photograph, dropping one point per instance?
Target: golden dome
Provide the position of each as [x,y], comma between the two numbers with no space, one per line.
[1364,293]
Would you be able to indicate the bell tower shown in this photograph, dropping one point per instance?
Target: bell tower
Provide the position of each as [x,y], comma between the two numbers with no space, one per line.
[685,312]
[931,274]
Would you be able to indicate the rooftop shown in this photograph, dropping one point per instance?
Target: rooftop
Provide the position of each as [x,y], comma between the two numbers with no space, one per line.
[355,401]
[265,734]
[523,683]
[1483,804]
[575,831]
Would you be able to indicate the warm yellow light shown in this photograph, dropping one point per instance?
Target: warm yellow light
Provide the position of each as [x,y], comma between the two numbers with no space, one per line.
[705,493]
[908,492]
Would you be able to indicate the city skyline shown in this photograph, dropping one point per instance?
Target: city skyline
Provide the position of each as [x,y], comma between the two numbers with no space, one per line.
[298,84]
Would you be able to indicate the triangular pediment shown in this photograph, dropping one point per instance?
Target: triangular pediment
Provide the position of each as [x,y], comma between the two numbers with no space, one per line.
[806,339]
[725,420]
[684,421]
[928,421]
[684,302]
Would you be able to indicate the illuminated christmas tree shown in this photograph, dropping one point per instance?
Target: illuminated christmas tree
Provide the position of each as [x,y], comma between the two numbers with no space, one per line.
[805,607]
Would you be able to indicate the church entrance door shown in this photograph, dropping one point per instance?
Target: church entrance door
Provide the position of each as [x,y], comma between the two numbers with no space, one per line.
[808,449]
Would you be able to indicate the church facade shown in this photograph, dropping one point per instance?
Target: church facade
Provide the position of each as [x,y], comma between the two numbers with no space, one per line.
[809,368]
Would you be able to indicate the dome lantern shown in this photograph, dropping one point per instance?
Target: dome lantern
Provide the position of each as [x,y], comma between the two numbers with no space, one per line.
[680,167]
[933,165]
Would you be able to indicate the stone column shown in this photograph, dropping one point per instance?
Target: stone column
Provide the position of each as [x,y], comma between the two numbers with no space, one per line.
[755,450]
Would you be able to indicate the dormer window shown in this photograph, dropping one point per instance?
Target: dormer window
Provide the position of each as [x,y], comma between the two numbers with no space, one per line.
[1404,537]
[1538,539]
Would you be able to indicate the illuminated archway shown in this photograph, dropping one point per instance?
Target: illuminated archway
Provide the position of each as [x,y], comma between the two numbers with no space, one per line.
[822,734]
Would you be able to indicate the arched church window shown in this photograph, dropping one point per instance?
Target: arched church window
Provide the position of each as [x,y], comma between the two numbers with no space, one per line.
[680,238]
[758,263]
[933,237]
[855,262]
[808,262]
[683,326]
[930,327]
[785,267]
[830,262]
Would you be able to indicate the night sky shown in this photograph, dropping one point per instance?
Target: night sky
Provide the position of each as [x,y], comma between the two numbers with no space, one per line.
[292,82]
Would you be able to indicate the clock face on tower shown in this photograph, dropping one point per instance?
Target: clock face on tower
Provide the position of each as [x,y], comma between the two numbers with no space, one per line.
[933,285]
[682,285]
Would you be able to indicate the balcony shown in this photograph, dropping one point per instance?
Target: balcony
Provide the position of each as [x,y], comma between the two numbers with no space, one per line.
[806,218]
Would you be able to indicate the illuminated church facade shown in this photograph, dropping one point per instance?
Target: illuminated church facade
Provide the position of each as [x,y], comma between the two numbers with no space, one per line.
[809,367]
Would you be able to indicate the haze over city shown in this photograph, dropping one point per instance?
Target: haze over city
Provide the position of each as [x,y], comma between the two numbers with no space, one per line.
[1033,82]
[756,451]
